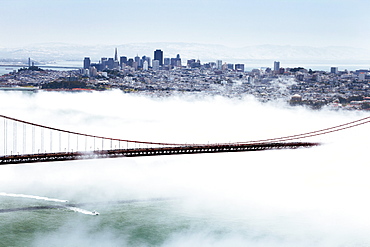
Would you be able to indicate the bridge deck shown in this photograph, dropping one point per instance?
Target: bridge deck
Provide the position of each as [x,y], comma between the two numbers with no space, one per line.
[116,153]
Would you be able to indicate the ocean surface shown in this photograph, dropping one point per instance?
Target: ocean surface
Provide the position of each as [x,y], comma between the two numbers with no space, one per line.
[303,197]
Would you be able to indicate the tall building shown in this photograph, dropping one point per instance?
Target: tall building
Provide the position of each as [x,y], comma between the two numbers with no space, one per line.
[115,55]
[334,70]
[276,66]
[230,66]
[87,62]
[110,63]
[145,65]
[219,64]
[158,55]
[239,67]
[123,61]
[166,61]
[155,65]
[104,61]
[145,58]
[138,61]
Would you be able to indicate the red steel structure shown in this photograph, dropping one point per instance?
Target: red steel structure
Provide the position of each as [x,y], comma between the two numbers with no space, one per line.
[24,143]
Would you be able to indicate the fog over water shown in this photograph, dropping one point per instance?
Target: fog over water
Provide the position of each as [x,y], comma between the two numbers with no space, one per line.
[305,197]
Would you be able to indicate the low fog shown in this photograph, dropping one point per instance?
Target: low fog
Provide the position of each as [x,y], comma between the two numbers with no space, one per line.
[303,197]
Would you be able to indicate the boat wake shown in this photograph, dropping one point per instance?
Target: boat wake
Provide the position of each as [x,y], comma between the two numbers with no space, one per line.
[83,211]
[32,197]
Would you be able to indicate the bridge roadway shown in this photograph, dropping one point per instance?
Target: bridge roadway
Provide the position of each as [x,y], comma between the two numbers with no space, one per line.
[116,153]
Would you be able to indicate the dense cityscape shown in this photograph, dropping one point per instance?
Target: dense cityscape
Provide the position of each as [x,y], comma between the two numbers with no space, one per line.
[164,76]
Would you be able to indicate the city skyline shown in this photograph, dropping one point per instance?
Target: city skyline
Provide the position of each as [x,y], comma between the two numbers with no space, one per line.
[237,24]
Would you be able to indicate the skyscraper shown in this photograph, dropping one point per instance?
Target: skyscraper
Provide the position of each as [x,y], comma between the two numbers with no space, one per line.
[239,67]
[334,70]
[219,64]
[123,61]
[276,66]
[115,55]
[158,55]
[87,62]
[155,65]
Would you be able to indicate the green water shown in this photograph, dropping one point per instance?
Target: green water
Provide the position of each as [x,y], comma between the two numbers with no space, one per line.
[132,224]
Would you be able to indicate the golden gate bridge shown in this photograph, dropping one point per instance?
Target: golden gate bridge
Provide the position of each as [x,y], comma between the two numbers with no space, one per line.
[26,142]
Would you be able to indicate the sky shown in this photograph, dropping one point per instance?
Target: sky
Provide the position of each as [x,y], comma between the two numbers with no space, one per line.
[236,23]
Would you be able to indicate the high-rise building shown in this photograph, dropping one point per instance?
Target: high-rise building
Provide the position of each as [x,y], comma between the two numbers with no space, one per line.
[130,62]
[158,55]
[155,65]
[110,63]
[230,66]
[239,67]
[123,61]
[145,58]
[115,55]
[138,61]
[219,64]
[104,61]
[276,66]
[87,62]
[167,61]
[145,65]
[334,70]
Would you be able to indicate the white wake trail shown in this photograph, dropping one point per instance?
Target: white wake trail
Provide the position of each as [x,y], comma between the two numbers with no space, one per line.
[83,211]
[32,197]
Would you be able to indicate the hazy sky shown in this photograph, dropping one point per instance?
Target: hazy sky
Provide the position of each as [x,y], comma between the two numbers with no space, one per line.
[233,23]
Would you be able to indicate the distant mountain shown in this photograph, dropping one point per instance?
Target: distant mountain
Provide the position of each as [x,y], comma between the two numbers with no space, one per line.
[204,52]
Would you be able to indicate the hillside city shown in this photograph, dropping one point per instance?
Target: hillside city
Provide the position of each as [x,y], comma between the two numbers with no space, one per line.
[164,76]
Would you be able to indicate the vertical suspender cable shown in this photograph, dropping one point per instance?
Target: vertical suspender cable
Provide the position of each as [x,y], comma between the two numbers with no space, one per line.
[51,141]
[42,140]
[5,136]
[15,137]
[33,139]
[24,138]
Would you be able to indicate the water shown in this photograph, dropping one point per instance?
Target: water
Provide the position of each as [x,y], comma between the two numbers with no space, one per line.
[250,65]
[305,197]
[8,69]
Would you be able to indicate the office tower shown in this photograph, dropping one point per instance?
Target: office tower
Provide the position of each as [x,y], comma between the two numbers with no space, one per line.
[167,61]
[190,62]
[103,63]
[178,60]
[138,61]
[334,70]
[123,61]
[115,55]
[130,62]
[87,62]
[145,65]
[147,59]
[29,62]
[158,55]
[219,64]
[276,66]
[155,65]
[110,63]
[239,67]
[230,66]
